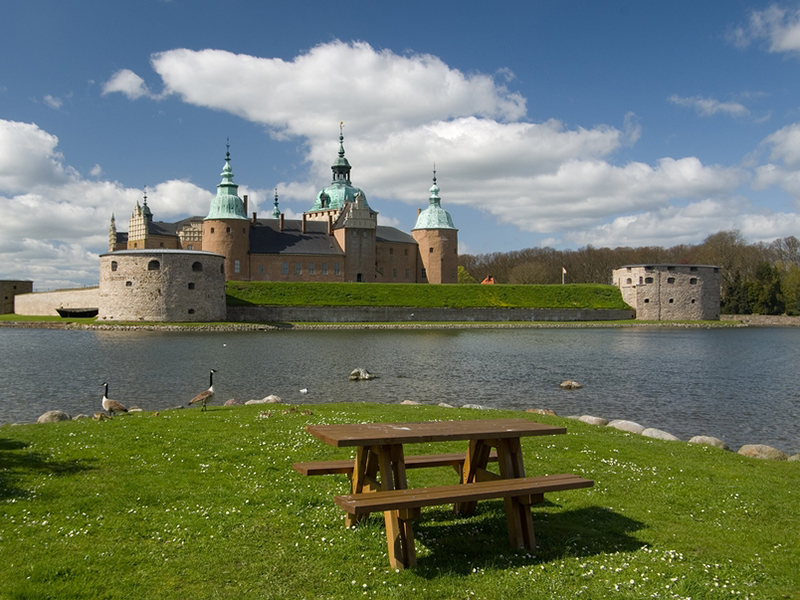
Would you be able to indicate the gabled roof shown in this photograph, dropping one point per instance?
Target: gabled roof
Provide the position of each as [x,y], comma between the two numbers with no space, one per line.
[267,238]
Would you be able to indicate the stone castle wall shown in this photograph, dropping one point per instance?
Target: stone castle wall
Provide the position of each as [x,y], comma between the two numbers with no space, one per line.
[44,304]
[162,285]
[671,292]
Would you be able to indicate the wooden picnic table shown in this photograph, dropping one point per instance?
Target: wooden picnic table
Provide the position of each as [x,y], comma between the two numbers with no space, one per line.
[380,466]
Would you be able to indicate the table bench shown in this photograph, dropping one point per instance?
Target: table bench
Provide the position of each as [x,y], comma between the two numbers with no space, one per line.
[346,466]
[518,493]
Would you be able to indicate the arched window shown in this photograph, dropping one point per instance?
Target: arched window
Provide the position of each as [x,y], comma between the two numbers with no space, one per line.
[197,266]
[670,280]
[629,281]
[153,265]
[648,280]
[113,265]
[693,281]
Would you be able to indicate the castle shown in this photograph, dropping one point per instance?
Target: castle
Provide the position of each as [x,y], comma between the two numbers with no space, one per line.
[337,239]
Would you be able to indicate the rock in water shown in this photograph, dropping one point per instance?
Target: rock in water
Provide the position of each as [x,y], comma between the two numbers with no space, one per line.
[570,384]
[361,374]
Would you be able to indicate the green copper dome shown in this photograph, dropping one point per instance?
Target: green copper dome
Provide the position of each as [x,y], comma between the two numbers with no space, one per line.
[341,190]
[227,204]
[434,217]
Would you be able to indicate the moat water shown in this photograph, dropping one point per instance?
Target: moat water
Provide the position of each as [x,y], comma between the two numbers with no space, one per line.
[740,385]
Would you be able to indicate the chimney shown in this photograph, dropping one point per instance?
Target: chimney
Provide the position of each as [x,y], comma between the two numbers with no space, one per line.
[245,203]
[419,210]
[330,224]
[280,222]
[254,217]
[304,223]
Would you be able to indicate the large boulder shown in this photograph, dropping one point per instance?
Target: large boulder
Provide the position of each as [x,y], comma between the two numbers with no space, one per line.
[794,457]
[361,374]
[593,420]
[762,451]
[51,416]
[628,426]
[271,399]
[232,402]
[570,384]
[707,440]
[657,434]
[542,411]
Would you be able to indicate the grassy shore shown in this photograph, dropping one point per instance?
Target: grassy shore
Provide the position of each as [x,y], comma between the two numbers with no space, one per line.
[183,504]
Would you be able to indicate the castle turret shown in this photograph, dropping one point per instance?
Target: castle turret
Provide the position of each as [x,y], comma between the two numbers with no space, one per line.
[226,228]
[276,212]
[112,235]
[437,238]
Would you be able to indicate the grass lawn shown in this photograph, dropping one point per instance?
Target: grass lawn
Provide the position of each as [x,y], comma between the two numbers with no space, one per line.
[183,504]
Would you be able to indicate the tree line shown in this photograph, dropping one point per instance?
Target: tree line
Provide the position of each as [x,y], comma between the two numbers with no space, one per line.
[759,278]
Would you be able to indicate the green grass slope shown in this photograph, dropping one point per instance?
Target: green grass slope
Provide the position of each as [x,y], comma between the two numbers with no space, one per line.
[582,296]
[185,504]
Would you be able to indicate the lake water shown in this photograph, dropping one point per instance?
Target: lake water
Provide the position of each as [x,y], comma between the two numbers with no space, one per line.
[740,385]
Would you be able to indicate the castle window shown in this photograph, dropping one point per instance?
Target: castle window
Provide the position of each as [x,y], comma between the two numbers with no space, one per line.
[394,273]
[391,250]
[670,268]
[336,268]
[629,281]
[640,281]
[692,300]
[191,286]
[298,268]
[310,268]
[324,268]
[212,230]
[227,230]
[237,266]
[647,300]
[161,244]
[260,269]
[366,233]
[408,273]
[128,284]
[716,270]
[693,281]
[648,280]
[430,250]
[190,247]
[380,270]
[153,265]
[113,265]
[197,266]
[222,268]
[191,311]
[670,280]
[671,300]
[693,269]
[285,268]
[355,233]
[424,274]
[406,252]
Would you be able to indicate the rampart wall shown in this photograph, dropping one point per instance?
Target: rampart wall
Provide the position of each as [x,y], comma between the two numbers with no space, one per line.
[285,314]
[46,303]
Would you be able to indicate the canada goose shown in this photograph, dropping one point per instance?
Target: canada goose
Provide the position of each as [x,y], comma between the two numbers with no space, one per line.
[109,405]
[207,395]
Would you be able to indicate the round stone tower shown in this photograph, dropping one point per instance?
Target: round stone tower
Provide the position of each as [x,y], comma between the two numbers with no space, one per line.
[437,238]
[226,229]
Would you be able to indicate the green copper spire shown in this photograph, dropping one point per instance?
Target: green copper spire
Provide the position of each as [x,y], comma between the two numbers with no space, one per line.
[434,217]
[276,212]
[227,204]
[341,190]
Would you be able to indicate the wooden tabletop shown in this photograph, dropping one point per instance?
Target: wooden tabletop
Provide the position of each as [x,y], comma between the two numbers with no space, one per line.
[372,434]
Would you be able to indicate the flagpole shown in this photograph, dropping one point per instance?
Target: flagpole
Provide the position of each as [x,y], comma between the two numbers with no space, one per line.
[563,275]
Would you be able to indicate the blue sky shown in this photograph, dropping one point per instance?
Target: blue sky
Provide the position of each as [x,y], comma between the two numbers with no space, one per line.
[560,123]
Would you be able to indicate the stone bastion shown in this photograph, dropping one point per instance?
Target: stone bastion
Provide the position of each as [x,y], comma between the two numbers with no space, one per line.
[162,285]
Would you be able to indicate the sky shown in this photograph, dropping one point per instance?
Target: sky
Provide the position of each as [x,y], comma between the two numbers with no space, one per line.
[558,123]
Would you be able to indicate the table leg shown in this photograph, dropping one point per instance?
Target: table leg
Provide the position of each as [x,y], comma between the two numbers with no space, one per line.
[399,532]
[476,461]
[518,511]
[363,479]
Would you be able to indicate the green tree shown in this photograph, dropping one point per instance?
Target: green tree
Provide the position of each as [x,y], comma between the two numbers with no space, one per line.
[768,295]
[464,276]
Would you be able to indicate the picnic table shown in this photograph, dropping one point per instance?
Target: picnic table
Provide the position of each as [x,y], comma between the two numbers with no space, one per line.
[379,484]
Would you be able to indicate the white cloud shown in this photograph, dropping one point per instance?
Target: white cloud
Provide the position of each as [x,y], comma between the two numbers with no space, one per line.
[129,83]
[708,107]
[96,171]
[53,102]
[777,26]
[28,157]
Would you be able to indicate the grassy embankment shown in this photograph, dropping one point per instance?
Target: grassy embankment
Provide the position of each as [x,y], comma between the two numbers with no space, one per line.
[186,504]
[581,296]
